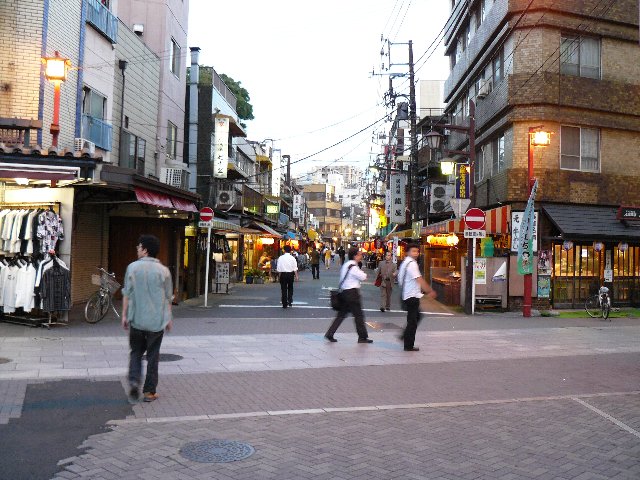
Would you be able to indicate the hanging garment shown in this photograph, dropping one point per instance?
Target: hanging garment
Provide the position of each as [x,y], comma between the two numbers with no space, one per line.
[55,289]
[49,230]
[9,284]
[25,295]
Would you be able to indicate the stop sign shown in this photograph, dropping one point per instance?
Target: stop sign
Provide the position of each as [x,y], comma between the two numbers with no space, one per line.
[474,218]
[206,214]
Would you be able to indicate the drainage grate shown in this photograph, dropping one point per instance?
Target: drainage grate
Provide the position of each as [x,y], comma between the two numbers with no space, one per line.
[216,451]
[4,360]
[383,326]
[168,357]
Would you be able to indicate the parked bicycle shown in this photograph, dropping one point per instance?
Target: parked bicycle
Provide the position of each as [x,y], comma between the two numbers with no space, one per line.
[99,303]
[599,305]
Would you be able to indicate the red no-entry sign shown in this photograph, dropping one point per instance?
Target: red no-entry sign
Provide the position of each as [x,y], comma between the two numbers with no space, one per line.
[206,214]
[474,219]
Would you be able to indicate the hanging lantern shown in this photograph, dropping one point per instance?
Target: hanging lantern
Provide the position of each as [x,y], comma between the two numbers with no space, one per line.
[598,246]
[567,245]
[623,246]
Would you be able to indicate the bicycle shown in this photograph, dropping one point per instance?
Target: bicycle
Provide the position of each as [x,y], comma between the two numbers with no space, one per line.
[599,305]
[99,303]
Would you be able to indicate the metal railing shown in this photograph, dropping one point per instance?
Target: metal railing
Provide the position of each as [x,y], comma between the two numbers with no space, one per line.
[102,19]
[97,131]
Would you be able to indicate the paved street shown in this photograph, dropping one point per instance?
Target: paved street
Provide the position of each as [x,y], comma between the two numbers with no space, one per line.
[493,396]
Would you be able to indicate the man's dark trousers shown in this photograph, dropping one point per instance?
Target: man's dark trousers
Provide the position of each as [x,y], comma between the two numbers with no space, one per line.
[315,270]
[413,319]
[139,342]
[286,285]
[352,304]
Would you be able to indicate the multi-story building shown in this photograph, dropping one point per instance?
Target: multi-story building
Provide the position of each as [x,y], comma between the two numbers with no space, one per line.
[571,69]
[326,210]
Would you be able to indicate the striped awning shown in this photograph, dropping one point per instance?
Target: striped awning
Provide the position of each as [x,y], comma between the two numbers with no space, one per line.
[497,222]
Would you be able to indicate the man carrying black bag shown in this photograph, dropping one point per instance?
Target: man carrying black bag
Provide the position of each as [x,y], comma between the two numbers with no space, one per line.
[412,287]
[350,278]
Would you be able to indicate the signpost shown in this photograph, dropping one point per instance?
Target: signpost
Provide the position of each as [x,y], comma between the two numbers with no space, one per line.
[474,220]
[206,221]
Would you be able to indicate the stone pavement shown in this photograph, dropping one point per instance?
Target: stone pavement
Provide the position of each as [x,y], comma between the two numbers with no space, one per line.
[489,397]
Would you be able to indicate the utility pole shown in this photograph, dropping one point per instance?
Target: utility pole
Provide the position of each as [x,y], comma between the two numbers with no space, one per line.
[413,158]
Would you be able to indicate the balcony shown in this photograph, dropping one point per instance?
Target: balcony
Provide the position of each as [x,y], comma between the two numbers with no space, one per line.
[102,19]
[97,131]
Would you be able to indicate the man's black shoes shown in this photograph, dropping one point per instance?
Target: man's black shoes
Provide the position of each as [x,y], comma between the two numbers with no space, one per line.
[365,340]
[330,338]
[412,349]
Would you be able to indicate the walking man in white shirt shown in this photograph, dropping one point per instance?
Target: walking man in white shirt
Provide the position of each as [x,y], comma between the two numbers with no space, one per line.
[412,285]
[350,278]
[288,270]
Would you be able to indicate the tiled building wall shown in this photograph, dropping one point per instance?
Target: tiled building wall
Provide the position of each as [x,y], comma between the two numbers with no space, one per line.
[142,83]
[20,58]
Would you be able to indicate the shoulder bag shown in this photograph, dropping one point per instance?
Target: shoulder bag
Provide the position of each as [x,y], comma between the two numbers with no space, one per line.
[336,295]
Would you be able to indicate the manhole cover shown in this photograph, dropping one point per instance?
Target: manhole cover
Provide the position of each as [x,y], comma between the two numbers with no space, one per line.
[4,360]
[216,451]
[168,357]
[384,326]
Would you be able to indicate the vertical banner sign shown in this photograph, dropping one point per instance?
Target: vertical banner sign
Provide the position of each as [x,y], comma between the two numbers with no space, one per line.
[525,235]
[394,253]
[222,272]
[516,223]
[462,180]
[221,148]
[297,206]
[387,203]
[399,197]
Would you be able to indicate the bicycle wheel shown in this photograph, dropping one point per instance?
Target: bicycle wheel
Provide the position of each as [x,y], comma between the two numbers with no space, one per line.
[592,306]
[606,309]
[97,307]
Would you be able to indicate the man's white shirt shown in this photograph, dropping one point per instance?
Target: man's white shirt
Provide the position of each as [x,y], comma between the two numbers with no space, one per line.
[410,287]
[354,277]
[286,263]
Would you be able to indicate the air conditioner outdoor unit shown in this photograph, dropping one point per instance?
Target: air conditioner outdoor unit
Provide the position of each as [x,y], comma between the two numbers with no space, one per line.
[226,198]
[485,89]
[84,146]
[172,176]
[441,195]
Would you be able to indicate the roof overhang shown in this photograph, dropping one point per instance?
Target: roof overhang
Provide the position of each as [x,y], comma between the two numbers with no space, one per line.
[235,130]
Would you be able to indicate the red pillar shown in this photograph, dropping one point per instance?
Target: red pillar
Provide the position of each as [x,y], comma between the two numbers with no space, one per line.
[528,277]
[55,124]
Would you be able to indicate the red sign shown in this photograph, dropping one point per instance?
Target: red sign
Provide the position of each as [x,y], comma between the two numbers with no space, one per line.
[474,218]
[206,214]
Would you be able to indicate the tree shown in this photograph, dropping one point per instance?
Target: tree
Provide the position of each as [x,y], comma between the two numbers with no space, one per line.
[243,107]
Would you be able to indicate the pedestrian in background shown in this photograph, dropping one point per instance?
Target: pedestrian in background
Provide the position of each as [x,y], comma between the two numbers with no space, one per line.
[413,286]
[327,258]
[350,278]
[288,270]
[146,313]
[314,258]
[341,254]
[388,272]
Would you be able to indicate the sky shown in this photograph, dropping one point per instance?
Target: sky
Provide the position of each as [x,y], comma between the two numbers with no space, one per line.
[308,67]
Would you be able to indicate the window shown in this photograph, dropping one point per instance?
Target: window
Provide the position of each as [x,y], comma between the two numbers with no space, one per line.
[174,58]
[497,148]
[93,103]
[172,135]
[580,56]
[498,67]
[133,152]
[478,168]
[580,149]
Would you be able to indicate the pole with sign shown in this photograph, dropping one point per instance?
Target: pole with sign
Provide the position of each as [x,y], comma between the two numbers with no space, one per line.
[206,221]
[474,221]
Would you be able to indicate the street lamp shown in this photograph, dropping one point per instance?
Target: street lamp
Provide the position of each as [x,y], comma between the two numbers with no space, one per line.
[537,138]
[56,71]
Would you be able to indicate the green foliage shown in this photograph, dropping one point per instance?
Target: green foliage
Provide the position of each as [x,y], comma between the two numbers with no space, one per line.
[254,272]
[243,107]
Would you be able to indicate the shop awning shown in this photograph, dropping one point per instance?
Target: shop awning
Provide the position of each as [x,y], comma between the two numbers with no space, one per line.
[224,225]
[267,229]
[162,200]
[590,222]
[497,222]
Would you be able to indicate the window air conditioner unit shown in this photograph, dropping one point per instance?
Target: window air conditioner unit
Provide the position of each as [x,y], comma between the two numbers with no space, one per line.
[485,89]
[84,146]
[226,198]
[441,195]
[172,176]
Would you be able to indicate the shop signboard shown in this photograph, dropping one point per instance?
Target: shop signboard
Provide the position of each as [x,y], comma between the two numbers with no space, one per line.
[544,262]
[544,286]
[480,271]
[222,272]
[462,180]
[221,148]
[516,222]
[297,206]
[399,197]
[387,203]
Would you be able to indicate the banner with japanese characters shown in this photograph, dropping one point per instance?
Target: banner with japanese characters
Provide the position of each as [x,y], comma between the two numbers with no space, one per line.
[398,197]
[524,239]
[297,207]
[221,148]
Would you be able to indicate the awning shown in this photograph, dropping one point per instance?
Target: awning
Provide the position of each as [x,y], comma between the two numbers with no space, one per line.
[497,222]
[589,222]
[224,225]
[290,236]
[267,229]
[162,200]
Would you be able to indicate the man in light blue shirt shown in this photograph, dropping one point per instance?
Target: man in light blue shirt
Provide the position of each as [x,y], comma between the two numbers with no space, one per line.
[146,309]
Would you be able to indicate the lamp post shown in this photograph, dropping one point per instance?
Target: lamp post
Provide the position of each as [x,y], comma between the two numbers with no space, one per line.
[537,138]
[56,71]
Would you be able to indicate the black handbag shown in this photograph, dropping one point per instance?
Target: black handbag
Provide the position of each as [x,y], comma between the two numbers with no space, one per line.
[337,302]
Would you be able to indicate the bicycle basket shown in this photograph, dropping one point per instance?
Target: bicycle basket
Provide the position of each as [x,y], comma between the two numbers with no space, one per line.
[111,284]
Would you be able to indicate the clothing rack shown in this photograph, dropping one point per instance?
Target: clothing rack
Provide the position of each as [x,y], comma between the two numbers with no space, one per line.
[21,205]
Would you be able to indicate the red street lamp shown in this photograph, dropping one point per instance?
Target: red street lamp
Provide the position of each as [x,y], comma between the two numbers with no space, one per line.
[537,138]
[56,71]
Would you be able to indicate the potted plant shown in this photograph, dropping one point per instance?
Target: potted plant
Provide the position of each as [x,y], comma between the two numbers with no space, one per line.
[251,274]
